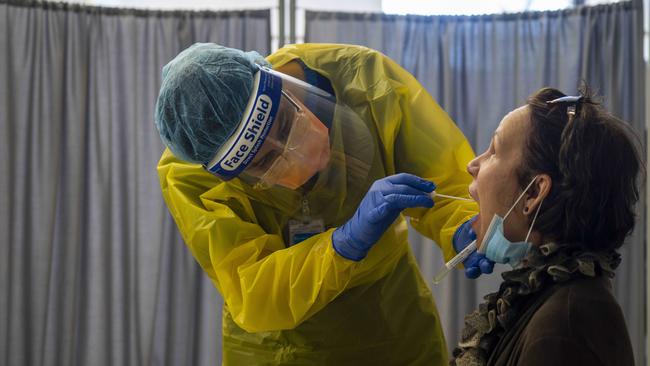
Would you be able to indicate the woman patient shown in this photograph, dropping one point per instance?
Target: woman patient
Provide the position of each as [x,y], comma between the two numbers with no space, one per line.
[556,190]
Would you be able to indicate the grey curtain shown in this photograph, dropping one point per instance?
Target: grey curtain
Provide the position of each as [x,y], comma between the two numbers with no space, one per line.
[481,67]
[92,269]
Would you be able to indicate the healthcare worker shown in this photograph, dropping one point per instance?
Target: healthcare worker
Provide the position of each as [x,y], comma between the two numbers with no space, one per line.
[287,178]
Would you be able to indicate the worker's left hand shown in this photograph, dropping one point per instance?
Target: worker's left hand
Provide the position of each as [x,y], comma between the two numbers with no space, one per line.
[476,264]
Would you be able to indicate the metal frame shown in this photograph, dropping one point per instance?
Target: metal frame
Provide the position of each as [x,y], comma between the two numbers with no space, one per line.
[281,34]
[644,14]
[283,9]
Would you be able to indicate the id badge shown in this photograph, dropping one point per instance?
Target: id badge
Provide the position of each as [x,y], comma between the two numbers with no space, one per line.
[300,230]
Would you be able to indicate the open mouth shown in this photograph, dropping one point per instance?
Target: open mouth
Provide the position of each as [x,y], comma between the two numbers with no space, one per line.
[472,193]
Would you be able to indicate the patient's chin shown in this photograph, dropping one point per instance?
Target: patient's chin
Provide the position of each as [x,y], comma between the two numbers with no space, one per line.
[479,228]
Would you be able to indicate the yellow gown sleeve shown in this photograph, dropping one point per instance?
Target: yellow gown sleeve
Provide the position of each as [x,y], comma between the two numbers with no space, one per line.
[266,286]
[420,138]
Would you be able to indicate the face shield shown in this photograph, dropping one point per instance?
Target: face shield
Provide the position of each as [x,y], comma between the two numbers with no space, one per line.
[290,132]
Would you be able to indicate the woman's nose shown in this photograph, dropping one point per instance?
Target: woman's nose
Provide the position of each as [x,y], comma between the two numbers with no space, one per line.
[472,167]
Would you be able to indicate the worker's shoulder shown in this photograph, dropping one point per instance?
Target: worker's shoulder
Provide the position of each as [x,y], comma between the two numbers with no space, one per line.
[339,51]
[332,46]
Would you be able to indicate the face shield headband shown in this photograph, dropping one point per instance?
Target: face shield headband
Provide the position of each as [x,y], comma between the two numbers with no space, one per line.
[240,148]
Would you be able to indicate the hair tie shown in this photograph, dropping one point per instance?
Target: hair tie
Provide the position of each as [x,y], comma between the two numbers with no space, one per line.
[573,102]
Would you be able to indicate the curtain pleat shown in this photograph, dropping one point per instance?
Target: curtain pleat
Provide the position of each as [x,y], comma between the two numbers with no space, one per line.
[92,268]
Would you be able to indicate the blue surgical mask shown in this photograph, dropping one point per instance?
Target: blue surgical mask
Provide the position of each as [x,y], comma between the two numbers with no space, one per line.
[497,247]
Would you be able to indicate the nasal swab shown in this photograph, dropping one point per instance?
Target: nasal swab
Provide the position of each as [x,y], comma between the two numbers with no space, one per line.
[460,257]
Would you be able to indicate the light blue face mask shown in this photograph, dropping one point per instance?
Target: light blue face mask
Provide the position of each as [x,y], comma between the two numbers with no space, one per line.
[497,247]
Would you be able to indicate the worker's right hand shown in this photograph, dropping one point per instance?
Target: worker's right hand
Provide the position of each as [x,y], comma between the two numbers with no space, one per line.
[382,204]
[477,263]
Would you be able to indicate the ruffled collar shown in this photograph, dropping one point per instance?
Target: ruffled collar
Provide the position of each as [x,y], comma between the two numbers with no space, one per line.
[544,266]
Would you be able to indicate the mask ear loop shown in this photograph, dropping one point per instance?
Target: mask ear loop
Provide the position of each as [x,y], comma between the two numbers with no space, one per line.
[520,196]
[293,102]
[296,119]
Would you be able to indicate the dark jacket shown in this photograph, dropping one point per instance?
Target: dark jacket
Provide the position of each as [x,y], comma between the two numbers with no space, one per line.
[574,323]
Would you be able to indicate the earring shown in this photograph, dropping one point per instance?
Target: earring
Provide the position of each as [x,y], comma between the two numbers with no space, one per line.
[525,210]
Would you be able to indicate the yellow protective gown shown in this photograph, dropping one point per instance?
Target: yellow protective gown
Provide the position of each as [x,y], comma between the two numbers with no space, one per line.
[304,304]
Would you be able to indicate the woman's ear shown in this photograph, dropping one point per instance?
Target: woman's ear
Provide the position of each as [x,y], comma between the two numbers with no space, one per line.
[537,192]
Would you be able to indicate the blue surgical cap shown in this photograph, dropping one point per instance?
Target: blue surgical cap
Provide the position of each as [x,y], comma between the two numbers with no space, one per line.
[204,92]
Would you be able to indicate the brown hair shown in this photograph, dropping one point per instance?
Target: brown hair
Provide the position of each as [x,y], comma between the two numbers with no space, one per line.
[594,165]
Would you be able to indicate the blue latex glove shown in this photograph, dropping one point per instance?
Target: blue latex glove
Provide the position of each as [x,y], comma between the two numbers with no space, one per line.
[382,204]
[476,263]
